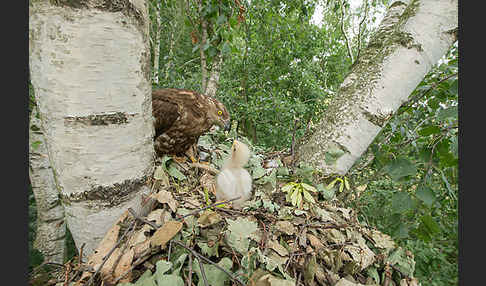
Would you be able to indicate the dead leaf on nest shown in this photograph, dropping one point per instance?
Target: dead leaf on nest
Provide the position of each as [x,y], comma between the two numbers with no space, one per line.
[273,244]
[286,227]
[314,241]
[165,197]
[157,216]
[123,265]
[141,249]
[207,182]
[106,243]
[165,233]
[208,218]
[270,280]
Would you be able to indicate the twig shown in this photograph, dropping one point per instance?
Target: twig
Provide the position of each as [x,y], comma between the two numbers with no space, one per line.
[189,278]
[208,261]
[208,168]
[109,253]
[80,258]
[350,53]
[206,207]
[136,216]
[203,272]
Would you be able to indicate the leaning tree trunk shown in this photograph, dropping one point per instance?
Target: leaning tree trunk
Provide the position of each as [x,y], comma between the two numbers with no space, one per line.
[51,227]
[412,37]
[90,69]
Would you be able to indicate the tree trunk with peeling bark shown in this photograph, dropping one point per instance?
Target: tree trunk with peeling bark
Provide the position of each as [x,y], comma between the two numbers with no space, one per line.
[51,227]
[213,81]
[412,37]
[90,69]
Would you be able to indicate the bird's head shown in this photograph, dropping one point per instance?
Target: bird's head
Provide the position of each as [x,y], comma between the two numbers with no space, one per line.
[218,114]
[240,153]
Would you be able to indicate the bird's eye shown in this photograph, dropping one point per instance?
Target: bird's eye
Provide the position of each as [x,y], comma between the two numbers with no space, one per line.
[220,112]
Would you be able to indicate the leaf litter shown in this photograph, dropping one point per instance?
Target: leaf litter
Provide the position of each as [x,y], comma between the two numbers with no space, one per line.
[269,242]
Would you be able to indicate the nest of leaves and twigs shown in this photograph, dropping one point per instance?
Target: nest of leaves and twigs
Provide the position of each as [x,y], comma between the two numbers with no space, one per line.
[291,232]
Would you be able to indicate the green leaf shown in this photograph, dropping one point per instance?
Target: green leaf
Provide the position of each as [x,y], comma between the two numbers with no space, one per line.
[346,183]
[399,168]
[426,195]
[331,184]
[308,187]
[221,19]
[308,197]
[428,130]
[332,154]
[401,202]
[289,186]
[327,193]
[174,172]
[293,197]
[238,233]
[450,112]
[215,276]
[35,144]
[169,279]
[430,224]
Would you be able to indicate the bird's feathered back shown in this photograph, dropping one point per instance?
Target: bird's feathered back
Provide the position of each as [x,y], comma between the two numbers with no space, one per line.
[181,116]
[233,180]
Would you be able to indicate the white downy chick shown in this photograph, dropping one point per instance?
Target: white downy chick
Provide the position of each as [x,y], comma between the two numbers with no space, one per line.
[233,180]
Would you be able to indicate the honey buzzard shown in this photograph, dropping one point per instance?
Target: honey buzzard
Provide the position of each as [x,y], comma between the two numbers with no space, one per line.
[181,116]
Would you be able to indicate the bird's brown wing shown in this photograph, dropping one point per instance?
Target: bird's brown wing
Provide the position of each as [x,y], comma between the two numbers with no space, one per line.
[164,111]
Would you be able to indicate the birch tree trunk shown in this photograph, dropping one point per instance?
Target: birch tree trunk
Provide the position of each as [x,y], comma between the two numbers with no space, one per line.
[90,69]
[51,227]
[213,81]
[157,42]
[412,37]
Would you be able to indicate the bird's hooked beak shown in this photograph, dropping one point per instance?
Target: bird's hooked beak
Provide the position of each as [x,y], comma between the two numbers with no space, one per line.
[227,125]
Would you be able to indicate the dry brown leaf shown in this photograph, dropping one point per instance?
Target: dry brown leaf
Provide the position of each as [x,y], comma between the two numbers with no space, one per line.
[123,265]
[157,216]
[141,249]
[208,218]
[207,182]
[106,243]
[107,269]
[165,233]
[273,244]
[314,241]
[286,227]
[165,197]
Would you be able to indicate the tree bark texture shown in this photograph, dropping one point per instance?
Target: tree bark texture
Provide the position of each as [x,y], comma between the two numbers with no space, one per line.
[412,37]
[213,81]
[156,43]
[90,69]
[51,227]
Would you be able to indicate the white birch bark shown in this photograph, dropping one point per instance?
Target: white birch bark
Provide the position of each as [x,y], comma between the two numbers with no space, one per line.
[90,69]
[412,37]
[51,228]
[213,81]
[157,42]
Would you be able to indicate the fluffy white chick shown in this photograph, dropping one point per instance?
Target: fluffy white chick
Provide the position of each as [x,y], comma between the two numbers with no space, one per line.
[233,180]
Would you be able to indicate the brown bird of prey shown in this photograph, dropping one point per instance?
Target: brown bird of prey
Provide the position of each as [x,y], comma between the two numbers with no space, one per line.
[233,180]
[181,116]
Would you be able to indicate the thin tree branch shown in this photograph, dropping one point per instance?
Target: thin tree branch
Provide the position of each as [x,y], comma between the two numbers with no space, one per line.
[208,261]
[350,53]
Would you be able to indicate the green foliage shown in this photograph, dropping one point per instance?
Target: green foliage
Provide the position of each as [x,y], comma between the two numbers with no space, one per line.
[416,200]
[299,194]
